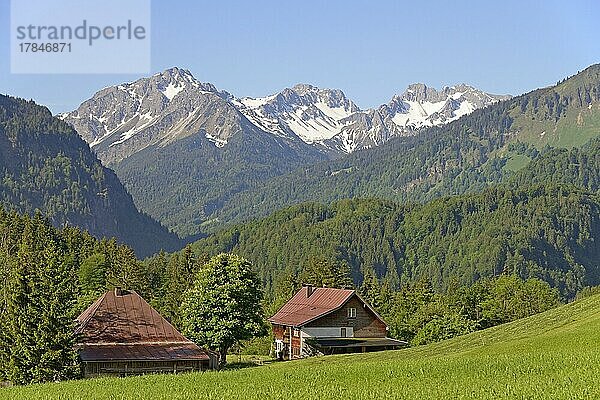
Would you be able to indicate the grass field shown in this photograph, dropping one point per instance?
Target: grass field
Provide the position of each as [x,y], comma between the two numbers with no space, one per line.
[554,355]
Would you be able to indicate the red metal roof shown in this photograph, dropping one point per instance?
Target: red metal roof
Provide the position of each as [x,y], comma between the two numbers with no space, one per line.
[126,327]
[303,308]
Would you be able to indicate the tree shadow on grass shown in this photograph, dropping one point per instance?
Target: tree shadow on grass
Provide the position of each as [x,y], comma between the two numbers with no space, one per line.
[248,363]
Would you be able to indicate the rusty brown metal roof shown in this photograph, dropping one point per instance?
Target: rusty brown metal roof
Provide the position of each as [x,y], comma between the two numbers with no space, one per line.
[126,327]
[302,308]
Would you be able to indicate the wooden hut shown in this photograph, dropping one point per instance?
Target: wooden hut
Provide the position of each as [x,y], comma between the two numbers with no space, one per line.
[121,334]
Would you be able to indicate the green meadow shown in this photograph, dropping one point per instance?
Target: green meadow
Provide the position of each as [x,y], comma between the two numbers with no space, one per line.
[553,355]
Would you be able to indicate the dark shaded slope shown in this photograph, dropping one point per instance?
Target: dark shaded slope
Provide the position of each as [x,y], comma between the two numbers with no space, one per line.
[46,166]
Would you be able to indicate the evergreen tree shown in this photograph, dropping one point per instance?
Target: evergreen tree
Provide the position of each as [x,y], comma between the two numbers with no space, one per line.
[179,278]
[156,268]
[370,289]
[287,285]
[127,271]
[39,332]
[321,272]
[92,274]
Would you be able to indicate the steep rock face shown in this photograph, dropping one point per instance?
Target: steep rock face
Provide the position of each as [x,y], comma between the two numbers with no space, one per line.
[418,107]
[327,119]
[121,120]
[305,111]
[46,166]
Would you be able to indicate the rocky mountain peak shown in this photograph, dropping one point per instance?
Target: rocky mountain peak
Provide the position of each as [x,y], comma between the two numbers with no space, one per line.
[303,88]
[174,80]
[121,120]
[420,92]
[461,87]
[305,111]
[175,74]
[419,106]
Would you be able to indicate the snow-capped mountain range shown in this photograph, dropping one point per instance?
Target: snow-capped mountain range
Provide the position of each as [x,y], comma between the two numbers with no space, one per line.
[121,120]
[313,114]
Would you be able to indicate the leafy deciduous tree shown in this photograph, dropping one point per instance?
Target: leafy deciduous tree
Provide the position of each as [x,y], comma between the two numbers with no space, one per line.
[223,306]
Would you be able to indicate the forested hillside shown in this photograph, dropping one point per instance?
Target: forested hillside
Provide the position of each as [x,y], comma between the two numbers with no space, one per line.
[46,166]
[184,182]
[461,157]
[549,232]
[576,166]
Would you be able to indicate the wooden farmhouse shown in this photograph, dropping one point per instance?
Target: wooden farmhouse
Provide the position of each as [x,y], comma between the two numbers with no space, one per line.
[121,334]
[328,321]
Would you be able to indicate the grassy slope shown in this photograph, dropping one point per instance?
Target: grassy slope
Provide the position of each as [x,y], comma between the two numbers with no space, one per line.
[551,355]
[577,127]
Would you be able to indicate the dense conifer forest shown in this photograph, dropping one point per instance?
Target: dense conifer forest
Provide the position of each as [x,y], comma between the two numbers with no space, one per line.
[548,232]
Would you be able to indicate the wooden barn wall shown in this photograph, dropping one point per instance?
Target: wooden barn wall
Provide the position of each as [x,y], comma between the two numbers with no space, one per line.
[125,368]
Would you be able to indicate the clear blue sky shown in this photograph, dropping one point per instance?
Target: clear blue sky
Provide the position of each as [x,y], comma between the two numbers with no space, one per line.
[369,49]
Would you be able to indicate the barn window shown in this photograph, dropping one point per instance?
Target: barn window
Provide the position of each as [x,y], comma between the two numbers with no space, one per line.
[296,332]
[352,312]
[342,332]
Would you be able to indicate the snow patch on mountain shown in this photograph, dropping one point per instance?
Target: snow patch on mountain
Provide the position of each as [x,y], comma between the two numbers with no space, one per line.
[327,118]
[172,90]
[217,141]
[308,112]
[121,120]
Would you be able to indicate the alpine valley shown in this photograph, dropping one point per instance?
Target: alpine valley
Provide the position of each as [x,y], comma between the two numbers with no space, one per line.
[448,211]
[485,147]
[363,200]
[183,148]
[198,159]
